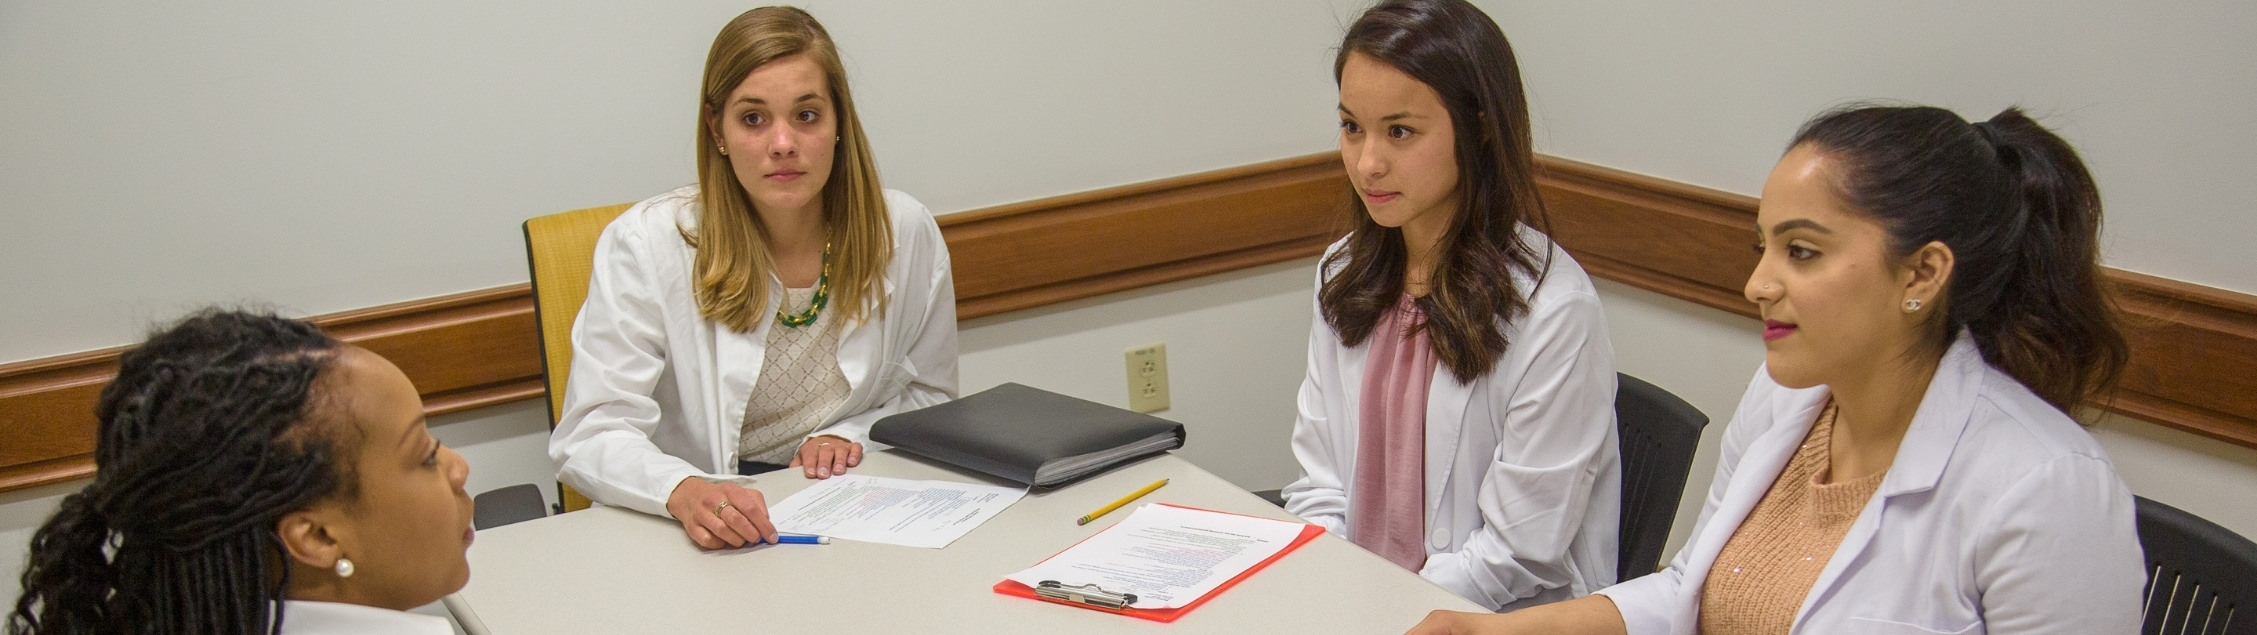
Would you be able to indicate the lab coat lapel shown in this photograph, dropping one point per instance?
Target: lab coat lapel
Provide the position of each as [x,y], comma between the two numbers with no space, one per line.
[1446,401]
[1918,464]
[1792,413]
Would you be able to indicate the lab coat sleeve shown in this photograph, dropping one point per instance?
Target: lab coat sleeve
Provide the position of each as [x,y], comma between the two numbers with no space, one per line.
[1558,434]
[1320,496]
[1651,603]
[927,373]
[602,442]
[2060,554]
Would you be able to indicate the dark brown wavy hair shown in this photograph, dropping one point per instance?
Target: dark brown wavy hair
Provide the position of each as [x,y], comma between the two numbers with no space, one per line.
[1457,50]
[2022,218]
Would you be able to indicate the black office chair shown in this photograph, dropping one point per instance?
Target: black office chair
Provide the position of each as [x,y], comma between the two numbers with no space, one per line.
[509,505]
[1659,433]
[1274,496]
[2198,574]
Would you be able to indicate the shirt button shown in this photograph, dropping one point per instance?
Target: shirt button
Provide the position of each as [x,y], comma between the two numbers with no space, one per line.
[1441,538]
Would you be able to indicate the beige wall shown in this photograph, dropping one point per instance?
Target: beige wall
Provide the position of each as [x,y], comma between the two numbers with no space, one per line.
[2155,96]
[323,157]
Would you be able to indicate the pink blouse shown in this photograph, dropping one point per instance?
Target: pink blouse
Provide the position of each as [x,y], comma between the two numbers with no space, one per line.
[1388,514]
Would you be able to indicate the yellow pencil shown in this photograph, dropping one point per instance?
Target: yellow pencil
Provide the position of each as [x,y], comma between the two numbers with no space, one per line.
[1123,501]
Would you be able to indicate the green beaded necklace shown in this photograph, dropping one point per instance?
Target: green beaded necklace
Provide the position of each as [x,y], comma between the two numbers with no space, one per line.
[822,296]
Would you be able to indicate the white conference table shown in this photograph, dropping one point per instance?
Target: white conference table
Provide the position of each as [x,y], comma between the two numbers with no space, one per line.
[611,570]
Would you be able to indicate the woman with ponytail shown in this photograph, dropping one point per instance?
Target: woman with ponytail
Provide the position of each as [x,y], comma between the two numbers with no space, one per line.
[1907,461]
[253,476]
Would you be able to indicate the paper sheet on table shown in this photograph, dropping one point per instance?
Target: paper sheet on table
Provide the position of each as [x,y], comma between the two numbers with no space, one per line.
[893,511]
[1168,556]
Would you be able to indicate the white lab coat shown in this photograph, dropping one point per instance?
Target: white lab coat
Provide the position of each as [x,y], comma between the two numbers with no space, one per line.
[300,617]
[657,392]
[1523,478]
[1999,515]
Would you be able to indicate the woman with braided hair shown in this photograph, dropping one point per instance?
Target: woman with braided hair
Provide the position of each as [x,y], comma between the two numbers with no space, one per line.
[253,475]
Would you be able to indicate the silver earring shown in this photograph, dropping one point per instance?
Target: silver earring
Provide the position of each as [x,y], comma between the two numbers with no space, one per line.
[344,568]
[1912,305]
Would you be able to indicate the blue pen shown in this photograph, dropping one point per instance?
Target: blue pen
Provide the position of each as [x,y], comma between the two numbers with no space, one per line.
[794,539]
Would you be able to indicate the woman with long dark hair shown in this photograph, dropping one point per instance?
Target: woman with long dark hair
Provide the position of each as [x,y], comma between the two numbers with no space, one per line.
[1458,413]
[1906,462]
[253,475]
[764,317]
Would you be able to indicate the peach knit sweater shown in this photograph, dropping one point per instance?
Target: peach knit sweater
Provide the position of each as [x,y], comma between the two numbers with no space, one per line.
[1767,568]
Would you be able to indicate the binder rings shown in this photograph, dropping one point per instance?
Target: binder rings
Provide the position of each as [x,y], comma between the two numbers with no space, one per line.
[1099,601]
[1029,435]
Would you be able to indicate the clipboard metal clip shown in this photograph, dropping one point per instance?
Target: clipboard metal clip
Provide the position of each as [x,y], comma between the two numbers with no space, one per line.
[1089,594]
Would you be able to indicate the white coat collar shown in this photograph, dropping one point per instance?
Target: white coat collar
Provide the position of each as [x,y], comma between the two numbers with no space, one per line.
[1919,464]
[301,617]
[1920,459]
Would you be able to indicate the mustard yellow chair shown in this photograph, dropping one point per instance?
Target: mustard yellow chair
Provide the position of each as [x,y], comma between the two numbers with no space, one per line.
[561,249]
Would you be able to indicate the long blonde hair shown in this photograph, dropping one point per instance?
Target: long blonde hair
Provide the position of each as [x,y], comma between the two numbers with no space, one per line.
[733,261]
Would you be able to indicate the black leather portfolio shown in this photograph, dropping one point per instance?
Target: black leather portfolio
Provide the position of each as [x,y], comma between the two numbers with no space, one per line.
[1028,435]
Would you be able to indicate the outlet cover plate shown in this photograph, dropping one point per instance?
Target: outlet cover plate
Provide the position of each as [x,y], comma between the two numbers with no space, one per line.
[1148,377]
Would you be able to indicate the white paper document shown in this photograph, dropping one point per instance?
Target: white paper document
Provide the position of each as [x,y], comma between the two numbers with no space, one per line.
[893,511]
[1168,556]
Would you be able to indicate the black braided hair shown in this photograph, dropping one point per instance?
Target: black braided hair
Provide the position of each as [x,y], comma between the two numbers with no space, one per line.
[206,440]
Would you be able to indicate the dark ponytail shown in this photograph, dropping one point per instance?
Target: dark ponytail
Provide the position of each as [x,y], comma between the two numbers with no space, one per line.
[2021,215]
[205,441]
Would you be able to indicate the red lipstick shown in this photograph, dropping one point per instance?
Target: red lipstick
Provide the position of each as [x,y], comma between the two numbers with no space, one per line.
[1774,329]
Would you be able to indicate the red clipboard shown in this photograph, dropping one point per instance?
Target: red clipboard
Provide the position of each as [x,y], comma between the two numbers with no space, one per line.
[1308,532]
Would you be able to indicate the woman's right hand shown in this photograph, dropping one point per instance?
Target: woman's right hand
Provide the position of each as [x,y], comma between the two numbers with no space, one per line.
[720,515]
[1448,623]
[1588,615]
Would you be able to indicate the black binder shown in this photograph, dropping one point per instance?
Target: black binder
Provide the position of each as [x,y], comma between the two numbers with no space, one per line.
[1029,435]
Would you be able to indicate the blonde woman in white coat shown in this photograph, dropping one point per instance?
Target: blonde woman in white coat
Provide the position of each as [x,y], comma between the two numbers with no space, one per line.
[1904,461]
[763,318]
[1458,414]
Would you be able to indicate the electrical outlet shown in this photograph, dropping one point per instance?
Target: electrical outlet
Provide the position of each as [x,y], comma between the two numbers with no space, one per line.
[1148,377]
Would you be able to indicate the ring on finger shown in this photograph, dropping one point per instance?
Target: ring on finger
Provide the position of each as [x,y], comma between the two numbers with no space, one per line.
[718,508]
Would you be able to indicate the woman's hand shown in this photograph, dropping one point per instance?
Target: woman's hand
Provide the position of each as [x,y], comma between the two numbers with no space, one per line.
[826,456]
[1588,615]
[720,515]
[1448,623]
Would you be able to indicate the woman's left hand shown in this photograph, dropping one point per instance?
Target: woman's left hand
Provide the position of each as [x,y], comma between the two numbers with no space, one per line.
[826,456]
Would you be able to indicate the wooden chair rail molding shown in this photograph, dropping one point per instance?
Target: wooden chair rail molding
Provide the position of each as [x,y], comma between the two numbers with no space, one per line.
[2194,364]
[2194,348]
[462,351]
